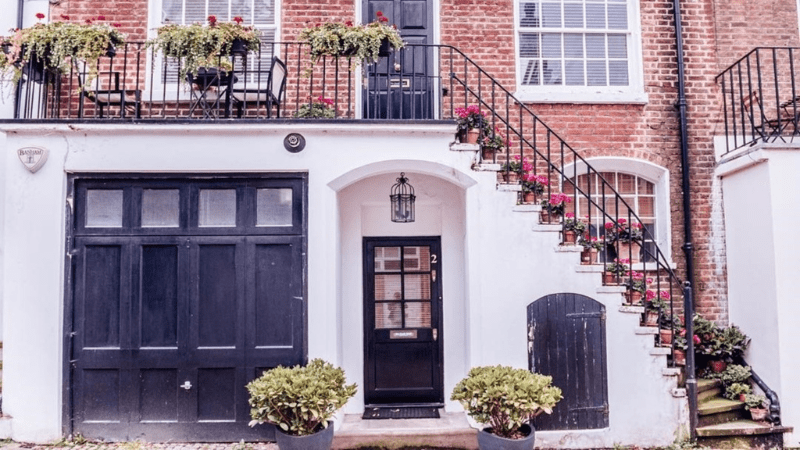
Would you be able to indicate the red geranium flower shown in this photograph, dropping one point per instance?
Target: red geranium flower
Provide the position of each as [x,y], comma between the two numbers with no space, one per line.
[116,25]
[379,14]
[212,20]
[39,16]
[349,23]
[89,21]
[238,19]
[101,17]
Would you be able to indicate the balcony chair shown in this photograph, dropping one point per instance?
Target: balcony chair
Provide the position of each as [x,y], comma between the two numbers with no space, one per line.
[128,100]
[272,95]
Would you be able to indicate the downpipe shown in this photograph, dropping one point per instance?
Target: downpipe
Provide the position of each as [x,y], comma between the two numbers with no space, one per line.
[688,249]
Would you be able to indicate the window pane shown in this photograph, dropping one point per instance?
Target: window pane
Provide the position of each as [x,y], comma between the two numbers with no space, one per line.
[595,16]
[530,73]
[618,73]
[265,12]
[573,45]
[160,208]
[646,187]
[573,71]
[242,8]
[217,208]
[595,46]
[103,208]
[417,287]
[528,15]
[274,207]
[626,184]
[552,71]
[618,17]
[171,11]
[573,15]
[617,46]
[551,45]
[646,207]
[417,259]
[551,15]
[418,315]
[195,11]
[529,45]
[596,71]
[387,315]
[387,259]
[387,287]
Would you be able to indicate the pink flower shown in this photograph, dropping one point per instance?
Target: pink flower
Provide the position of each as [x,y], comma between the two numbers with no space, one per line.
[88,21]
[324,100]
[570,215]
[664,295]
[609,225]
[683,332]
[238,20]
[379,14]
[649,295]
[695,338]
[621,221]
[116,25]
[349,23]
[39,16]
[101,17]
[64,17]
[212,20]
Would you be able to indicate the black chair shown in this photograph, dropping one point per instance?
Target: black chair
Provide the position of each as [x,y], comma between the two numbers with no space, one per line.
[129,100]
[272,95]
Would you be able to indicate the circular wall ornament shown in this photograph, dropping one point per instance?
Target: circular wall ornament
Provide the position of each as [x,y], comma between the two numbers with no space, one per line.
[294,142]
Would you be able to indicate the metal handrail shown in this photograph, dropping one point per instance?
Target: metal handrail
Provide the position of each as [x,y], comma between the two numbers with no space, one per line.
[774,415]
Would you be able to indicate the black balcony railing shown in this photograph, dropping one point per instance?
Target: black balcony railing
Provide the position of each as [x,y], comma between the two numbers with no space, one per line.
[418,82]
[761,97]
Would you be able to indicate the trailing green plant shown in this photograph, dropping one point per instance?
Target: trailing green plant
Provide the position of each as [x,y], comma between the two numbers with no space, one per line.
[299,400]
[319,108]
[756,401]
[361,42]
[734,342]
[55,44]
[505,398]
[734,390]
[198,45]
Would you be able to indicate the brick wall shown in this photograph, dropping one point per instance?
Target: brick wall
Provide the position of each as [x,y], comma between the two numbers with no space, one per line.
[716,33]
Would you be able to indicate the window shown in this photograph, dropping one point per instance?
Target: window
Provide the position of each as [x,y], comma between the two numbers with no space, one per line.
[642,185]
[261,14]
[569,48]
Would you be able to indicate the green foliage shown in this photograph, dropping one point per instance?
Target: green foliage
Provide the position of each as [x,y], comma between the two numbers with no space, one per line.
[320,108]
[505,398]
[361,42]
[755,401]
[733,390]
[572,223]
[300,400]
[199,45]
[717,342]
[618,267]
[735,373]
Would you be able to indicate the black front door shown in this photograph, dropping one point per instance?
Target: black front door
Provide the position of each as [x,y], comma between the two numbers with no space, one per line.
[400,86]
[402,321]
[184,291]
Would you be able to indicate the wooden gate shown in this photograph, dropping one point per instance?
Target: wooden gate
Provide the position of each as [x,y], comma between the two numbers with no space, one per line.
[567,340]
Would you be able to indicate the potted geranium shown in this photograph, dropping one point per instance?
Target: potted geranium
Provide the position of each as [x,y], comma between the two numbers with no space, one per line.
[655,304]
[573,227]
[591,245]
[637,286]
[493,142]
[319,108]
[628,238]
[471,122]
[615,270]
[758,405]
[553,208]
[532,186]
[361,42]
[300,401]
[515,168]
[52,46]
[207,46]
[506,400]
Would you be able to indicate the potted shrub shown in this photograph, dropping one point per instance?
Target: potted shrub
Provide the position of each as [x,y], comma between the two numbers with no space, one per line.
[54,45]
[573,227]
[471,122]
[506,399]
[319,108]
[654,305]
[591,245]
[637,285]
[734,374]
[668,326]
[361,42]
[614,271]
[532,186]
[758,406]
[514,169]
[208,46]
[734,391]
[300,401]
[553,208]
[628,238]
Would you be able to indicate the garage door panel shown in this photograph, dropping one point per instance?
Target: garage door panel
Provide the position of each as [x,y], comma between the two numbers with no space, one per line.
[274,305]
[102,295]
[102,401]
[217,307]
[158,395]
[159,296]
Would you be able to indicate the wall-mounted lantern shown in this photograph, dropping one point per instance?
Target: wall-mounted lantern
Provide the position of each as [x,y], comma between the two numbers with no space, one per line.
[402,200]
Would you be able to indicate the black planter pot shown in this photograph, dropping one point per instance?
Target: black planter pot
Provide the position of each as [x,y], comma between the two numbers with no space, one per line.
[489,441]
[111,51]
[238,48]
[385,49]
[320,440]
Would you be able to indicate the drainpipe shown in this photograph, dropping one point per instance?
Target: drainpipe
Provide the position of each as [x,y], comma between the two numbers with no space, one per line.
[688,249]
[20,6]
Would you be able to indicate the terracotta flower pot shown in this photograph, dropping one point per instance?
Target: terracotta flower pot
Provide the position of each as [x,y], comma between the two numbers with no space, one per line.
[666,336]
[547,217]
[650,319]
[570,237]
[630,250]
[487,154]
[510,177]
[588,256]
[758,414]
[717,366]
[633,297]
[610,279]
[679,356]
[528,198]
[471,136]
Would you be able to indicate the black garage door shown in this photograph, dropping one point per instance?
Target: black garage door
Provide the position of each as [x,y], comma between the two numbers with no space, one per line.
[184,290]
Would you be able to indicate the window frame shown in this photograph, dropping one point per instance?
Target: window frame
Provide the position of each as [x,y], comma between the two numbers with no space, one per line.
[655,174]
[155,65]
[633,93]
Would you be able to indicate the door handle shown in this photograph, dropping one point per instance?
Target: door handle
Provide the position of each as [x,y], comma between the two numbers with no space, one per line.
[433,275]
[435,334]
[186,385]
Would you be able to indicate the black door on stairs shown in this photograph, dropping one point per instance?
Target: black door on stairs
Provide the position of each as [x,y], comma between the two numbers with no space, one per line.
[400,86]
[567,340]
[184,290]
[402,321]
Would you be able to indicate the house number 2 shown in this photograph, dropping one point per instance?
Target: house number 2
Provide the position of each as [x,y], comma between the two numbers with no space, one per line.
[433,259]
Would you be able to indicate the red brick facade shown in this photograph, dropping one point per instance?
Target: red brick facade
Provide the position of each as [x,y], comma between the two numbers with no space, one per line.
[716,33]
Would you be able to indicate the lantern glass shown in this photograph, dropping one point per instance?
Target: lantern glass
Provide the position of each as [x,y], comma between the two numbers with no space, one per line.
[403,199]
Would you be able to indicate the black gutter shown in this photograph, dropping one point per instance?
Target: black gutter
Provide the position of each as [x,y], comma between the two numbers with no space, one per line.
[688,249]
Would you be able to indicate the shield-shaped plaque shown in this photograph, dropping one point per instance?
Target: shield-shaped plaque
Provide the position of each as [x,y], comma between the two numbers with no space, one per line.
[33,157]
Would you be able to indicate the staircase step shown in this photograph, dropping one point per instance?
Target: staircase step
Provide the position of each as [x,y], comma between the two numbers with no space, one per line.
[742,434]
[458,147]
[705,384]
[589,268]
[547,227]
[487,167]
[671,371]
[506,187]
[613,290]
[660,351]
[631,309]
[718,405]
[708,393]
[723,417]
[527,208]
[646,330]
[569,248]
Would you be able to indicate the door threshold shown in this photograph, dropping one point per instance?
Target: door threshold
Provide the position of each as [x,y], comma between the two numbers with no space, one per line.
[404,405]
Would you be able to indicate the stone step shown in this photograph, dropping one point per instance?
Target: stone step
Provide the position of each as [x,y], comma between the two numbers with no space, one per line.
[742,434]
[723,417]
[704,384]
[451,430]
[708,393]
[718,405]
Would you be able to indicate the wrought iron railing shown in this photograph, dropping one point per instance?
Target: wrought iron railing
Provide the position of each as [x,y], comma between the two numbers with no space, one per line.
[418,82]
[761,97]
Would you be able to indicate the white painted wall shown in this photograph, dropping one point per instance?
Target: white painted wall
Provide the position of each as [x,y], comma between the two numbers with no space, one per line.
[762,206]
[494,263]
